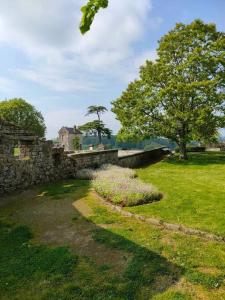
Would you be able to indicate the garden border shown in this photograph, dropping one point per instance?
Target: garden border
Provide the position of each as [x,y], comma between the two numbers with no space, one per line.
[164,225]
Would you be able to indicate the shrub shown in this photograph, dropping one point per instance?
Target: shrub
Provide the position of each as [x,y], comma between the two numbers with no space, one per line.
[192,149]
[120,185]
[106,170]
[86,174]
[196,149]
[126,192]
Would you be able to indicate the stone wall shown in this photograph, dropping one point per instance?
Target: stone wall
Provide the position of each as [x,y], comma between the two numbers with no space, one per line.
[94,159]
[43,165]
[141,158]
[47,165]
[38,162]
[34,162]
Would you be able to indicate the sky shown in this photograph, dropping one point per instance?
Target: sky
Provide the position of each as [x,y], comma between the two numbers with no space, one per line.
[45,60]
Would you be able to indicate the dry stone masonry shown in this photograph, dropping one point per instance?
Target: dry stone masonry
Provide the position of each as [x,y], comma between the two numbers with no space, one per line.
[26,160]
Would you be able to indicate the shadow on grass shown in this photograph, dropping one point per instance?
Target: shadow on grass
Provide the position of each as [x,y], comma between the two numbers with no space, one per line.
[199,159]
[23,265]
[147,273]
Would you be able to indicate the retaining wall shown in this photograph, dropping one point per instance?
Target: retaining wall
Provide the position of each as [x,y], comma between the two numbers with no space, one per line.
[141,158]
[38,162]
[94,159]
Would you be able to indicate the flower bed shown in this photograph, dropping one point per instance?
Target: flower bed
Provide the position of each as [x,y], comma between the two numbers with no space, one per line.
[120,185]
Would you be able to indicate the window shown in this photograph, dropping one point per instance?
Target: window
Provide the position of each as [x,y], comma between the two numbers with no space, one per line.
[16,152]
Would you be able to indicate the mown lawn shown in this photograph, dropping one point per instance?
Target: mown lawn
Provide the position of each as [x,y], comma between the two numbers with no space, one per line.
[62,242]
[194,191]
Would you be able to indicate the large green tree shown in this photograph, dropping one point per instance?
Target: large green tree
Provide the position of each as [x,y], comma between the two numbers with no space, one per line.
[96,128]
[24,115]
[88,13]
[181,95]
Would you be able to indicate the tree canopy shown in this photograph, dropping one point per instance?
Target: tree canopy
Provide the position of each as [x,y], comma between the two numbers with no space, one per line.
[96,109]
[181,95]
[96,128]
[88,13]
[24,115]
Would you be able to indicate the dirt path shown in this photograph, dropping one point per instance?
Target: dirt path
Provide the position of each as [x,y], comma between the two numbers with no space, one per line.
[62,222]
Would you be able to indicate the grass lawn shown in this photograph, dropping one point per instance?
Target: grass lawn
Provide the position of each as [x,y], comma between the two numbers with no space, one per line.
[61,242]
[194,191]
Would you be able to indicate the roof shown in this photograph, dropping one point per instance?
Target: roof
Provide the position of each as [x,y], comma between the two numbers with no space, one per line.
[72,130]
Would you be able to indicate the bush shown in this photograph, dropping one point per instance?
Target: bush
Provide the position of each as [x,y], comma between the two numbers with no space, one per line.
[196,149]
[120,185]
[107,170]
[86,174]
[192,149]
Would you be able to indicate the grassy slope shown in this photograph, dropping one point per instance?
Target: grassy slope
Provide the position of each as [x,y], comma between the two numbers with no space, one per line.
[153,263]
[194,191]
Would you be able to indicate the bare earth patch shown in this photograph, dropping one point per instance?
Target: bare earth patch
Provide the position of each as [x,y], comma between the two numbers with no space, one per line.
[62,222]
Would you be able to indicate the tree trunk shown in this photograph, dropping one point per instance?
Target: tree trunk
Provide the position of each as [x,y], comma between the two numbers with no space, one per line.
[100,137]
[183,150]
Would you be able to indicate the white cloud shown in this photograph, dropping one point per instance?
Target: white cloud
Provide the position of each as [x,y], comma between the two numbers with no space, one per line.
[40,25]
[139,60]
[55,81]
[60,59]
[146,55]
[47,31]
[6,84]
[54,120]
[115,30]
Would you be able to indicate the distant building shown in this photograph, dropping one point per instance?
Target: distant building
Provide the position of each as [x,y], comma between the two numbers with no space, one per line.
[68,137]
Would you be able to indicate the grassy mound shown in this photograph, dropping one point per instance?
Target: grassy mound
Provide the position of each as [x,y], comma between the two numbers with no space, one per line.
[120,185]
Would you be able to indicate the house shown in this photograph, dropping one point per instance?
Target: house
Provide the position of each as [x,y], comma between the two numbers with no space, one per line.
[70,138]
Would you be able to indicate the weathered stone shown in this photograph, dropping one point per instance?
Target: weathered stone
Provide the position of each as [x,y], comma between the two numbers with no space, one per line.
[39,162]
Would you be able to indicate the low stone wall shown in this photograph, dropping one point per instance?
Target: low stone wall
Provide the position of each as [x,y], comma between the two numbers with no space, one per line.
[42,166]
[142,158]
[47,164]
[38,162]
[94,159]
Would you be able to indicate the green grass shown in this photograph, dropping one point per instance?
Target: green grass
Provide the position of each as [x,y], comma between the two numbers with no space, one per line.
[23,264]
[101,216]
[169,256]
[59,189]
[98,256]
[194,191]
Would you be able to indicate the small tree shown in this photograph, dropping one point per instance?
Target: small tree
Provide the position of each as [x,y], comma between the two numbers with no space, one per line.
[24,115]
[181,96]
[76,143]
[96,128]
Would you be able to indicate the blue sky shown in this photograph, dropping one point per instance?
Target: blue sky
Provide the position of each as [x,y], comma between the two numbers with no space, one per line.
[45,60]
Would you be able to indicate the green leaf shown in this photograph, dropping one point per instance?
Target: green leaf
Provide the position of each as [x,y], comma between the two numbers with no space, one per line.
[88,13]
